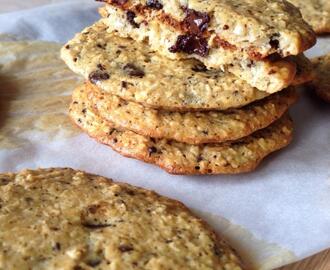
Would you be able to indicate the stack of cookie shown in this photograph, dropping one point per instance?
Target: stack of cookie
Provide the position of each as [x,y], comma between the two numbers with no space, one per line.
[195,88]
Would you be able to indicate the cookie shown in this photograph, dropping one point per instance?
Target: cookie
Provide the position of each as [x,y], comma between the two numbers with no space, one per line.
[134,72]
[321,83]
[180,158]
[316,13]
[266,75]
[190,127]
[304,72]
[198,27]
[67,219]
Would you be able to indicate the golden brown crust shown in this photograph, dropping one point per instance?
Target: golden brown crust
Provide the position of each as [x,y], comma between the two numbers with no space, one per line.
[265,75]
[68,219]
[316,13]
[133,71]
[241,23]
[321,83]
[304,70]
[190,127]
[179,158]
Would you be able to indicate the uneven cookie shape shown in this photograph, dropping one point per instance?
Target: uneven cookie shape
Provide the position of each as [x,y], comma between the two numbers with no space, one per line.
[321,83]
[135,72]
[180,158]
[241,24]
[316,13]
[231,35]
[190,127]
[67,219]
[266,75]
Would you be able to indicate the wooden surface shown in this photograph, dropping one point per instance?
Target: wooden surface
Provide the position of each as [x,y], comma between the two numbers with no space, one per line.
[320,261]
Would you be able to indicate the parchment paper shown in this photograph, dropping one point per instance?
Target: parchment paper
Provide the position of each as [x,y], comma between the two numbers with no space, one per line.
[276,215]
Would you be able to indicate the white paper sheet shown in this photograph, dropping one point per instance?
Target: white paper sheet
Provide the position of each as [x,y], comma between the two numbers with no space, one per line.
[286,202]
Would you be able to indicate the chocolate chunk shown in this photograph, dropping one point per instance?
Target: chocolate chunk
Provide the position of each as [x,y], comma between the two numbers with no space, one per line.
[101,67]
[130,17]
[125,248]
[101,46]
[225,27]
[190,44]
[154,4]
[196,22]
[124,84]
[57,246]
[111,131]
[274,42]
[152,150]
[200,67]
[134,71]
[98,75]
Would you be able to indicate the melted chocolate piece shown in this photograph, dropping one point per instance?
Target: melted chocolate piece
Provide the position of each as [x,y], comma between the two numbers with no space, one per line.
[196,22]
[154,4]
[274,43]
[152,150]
[134,71]
[130,17]
[190,44]
[98,75]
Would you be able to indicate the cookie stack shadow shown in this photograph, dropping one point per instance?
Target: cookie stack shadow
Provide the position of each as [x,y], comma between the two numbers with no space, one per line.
[172,106]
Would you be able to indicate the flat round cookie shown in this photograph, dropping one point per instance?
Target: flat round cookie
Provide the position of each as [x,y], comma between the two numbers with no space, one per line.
[269,74]
[134,72]
[321,83]
[180,158]
[316,13]
[190,127]
[67,219]
[255,27]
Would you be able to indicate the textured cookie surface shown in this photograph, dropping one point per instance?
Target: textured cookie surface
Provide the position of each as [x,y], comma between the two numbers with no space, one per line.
[242,24]
[321,83]
[135,72]
[304,72]
[180,158]
[190,127]
[266,75]
[66,219]
[316,13]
